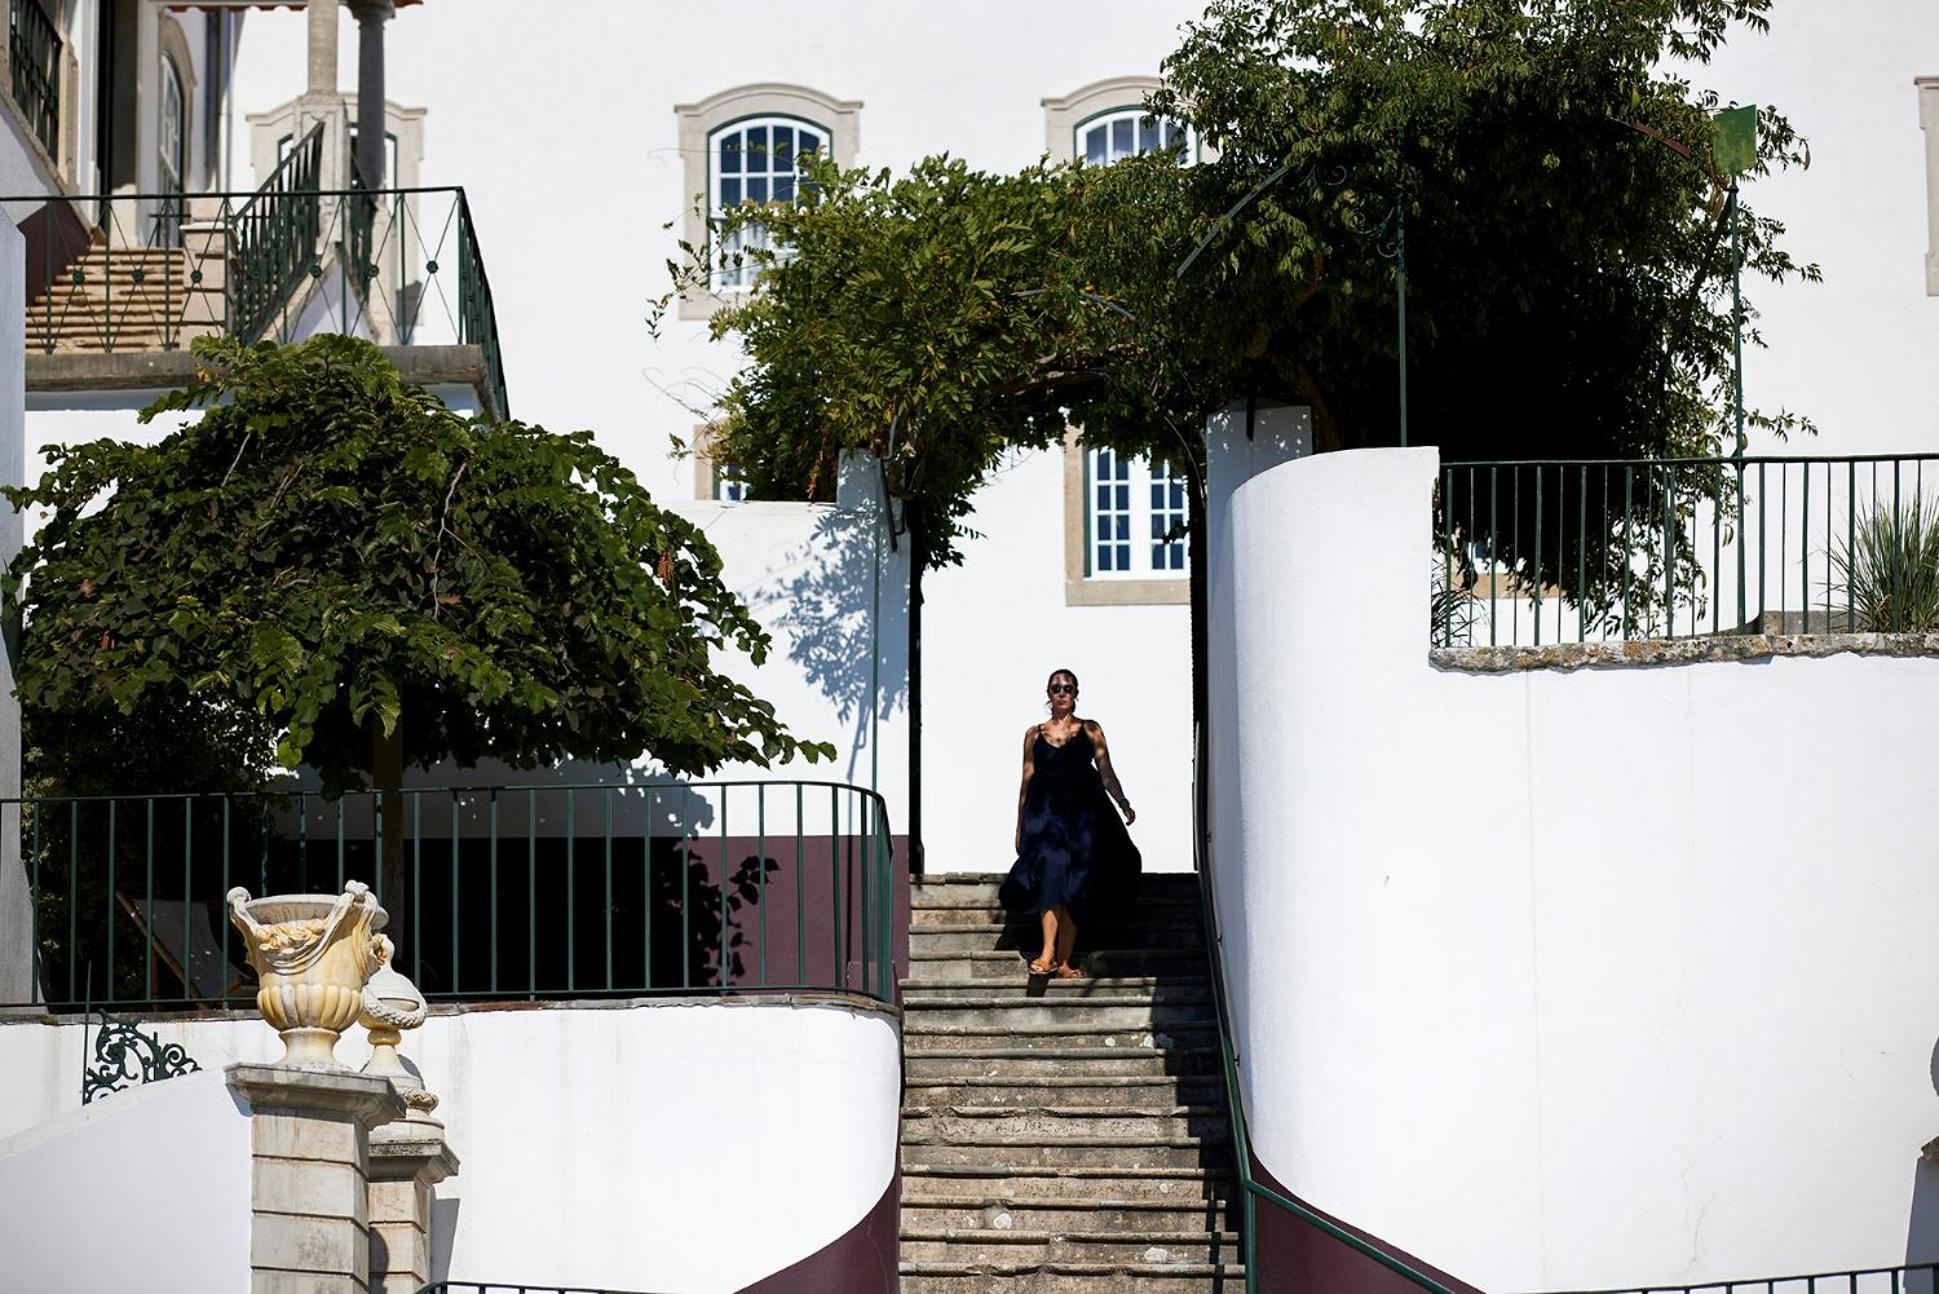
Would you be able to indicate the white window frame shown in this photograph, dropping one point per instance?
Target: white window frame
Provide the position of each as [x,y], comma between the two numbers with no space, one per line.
[171,129]
[1140,125]
[1929,122]
[701,122]
[734,270]
[1130,506]
[730,484]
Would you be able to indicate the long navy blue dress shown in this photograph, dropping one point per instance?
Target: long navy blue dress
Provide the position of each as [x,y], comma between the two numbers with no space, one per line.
[1075,850]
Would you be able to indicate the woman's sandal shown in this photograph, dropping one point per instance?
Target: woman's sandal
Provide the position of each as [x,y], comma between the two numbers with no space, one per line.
[1065,970]
[1045,966]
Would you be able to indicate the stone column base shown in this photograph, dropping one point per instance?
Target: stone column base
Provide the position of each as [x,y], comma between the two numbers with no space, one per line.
[309,1174]
[407,1159]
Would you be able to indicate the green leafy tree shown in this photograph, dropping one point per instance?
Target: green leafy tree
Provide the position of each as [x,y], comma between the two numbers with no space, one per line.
[330,567]
[1549,164]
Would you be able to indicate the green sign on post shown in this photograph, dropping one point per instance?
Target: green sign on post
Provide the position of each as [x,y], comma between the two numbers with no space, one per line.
[1735,146]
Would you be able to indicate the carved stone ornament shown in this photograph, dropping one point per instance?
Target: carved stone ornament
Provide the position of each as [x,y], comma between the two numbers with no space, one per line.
[391,1004]
[313,954]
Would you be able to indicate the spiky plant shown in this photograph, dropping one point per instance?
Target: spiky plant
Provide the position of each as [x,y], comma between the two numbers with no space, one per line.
[1889,572]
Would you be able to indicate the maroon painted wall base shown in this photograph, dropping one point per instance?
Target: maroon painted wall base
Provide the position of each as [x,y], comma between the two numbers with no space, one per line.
[862,1260]
[1294,1257]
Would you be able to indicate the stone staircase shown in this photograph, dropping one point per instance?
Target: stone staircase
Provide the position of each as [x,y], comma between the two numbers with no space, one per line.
[128,299]
[1063,1135]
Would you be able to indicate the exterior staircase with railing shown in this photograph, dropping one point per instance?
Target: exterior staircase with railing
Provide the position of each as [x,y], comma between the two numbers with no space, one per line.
[132,299]
[1063,1135]
[121,286]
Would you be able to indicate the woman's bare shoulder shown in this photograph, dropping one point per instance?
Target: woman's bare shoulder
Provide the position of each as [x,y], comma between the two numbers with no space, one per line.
[1093,727]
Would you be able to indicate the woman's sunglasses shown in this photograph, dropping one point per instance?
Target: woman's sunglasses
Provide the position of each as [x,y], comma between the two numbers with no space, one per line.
[1055,688]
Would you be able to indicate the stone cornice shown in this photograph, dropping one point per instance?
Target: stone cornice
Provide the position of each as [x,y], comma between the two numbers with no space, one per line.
[1678,651]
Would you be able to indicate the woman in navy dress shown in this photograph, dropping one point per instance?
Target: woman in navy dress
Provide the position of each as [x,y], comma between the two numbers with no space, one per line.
[1074,858]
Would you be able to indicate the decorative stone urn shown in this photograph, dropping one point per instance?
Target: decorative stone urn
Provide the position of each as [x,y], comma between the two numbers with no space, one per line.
[391,1004]
[313,954]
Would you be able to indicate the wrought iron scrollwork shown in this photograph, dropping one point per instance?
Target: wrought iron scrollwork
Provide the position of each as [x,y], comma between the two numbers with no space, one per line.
[123,1057]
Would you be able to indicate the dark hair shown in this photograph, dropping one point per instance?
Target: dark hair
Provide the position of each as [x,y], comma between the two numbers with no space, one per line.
[1069,674]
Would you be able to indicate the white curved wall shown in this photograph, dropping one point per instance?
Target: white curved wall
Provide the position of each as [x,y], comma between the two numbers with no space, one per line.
[1565,980]
[146,1190]
[694,1146]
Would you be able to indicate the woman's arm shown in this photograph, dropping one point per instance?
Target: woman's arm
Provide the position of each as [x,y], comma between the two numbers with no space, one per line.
[1105,771]
[1029,767]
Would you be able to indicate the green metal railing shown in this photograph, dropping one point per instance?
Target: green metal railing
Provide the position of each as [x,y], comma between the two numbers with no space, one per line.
[34,61]
[398,266]
[1914,1278]
[1529,553]
[517,892]
[272,240]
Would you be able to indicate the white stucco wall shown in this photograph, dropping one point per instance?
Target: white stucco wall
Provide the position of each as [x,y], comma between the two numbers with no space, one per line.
[693,1147]
[15,902]
[993,629]
[146,1190]
[1565,980]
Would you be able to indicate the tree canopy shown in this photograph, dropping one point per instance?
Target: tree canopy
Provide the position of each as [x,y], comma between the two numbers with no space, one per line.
[1567,267]
[329,563]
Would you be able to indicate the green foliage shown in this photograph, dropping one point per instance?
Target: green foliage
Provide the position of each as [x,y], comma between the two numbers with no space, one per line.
[1567,258]
[1889,573]
[328,559]
[939,319]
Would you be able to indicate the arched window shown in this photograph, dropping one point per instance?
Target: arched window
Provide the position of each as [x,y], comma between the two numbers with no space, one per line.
[745,144]
[171,140]
[755,161]
[1127,132]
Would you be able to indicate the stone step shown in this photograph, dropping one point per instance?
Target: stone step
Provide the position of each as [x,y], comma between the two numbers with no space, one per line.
[1024,936]
[1051,987]
[124,344]
[151,298]
[1035,1064]
[984,898]
[1102,1014]
[1129,1151]
[1072,1278]
[1006,1210]
[964,1123]
[923,1036]
[1011,964]
[1148,881]
[998,1248]
[1049,1182]
[1129,1090]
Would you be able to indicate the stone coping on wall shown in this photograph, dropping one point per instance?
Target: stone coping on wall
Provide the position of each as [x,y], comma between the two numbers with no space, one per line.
[857,1002]
[1677,651]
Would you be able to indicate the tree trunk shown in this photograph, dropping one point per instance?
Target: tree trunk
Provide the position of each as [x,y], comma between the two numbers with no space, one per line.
[387,776]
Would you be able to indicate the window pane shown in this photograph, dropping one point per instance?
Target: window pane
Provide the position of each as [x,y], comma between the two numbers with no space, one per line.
[757,188]
[1121,138]
[757,148]
[784,188]
[1147,135]
[730,154]
[1094,144]
[810,142]
[783,148]
[730,192]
